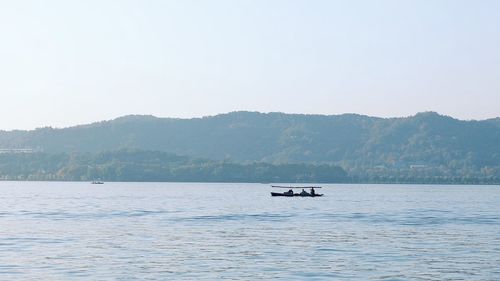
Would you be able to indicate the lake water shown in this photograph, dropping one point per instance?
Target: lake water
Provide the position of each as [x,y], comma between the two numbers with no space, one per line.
[198,231]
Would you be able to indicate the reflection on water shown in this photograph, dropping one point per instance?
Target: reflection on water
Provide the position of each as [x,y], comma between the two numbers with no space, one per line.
[169,231]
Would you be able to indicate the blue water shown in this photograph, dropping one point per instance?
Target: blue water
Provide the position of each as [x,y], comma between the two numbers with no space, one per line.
[186,231]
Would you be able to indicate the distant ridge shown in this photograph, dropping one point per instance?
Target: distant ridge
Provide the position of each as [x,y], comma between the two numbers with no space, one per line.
[143,117]
[360,144]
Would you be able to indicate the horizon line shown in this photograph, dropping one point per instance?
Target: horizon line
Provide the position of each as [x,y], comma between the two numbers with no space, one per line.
[240,111]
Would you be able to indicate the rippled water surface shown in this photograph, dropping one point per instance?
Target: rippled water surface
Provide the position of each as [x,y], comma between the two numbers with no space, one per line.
[186,231]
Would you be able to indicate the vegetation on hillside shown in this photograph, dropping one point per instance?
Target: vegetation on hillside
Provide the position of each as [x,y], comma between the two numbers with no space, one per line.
[425,146]
[125,165]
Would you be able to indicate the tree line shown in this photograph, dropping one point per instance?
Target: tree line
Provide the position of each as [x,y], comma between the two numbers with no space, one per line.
[134,165]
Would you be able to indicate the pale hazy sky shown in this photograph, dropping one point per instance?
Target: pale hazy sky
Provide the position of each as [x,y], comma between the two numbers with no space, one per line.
[72,62]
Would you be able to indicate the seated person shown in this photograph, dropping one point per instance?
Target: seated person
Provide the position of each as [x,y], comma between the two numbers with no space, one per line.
[304,192]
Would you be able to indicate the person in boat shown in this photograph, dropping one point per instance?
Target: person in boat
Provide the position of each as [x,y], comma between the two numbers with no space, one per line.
[304,192]
[289,192]
[312,191]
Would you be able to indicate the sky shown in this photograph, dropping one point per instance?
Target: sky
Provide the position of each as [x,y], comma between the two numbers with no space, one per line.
[68,62]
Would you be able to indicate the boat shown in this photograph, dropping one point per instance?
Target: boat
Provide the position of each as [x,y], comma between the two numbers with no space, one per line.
[284,194]
[290,193]
[97,182]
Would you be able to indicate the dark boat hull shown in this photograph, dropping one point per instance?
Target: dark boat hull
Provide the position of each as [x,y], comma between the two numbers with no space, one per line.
[294,195]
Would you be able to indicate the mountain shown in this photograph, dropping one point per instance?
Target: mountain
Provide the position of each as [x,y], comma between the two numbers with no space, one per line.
[134,165]
[427,144]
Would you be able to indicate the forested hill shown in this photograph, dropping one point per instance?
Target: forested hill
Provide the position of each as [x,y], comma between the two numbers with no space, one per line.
[127,165]
[427,141]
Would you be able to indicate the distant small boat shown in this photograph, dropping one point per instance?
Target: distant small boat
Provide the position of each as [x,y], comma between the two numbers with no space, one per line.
[97,182]
[290,192]
[285,194]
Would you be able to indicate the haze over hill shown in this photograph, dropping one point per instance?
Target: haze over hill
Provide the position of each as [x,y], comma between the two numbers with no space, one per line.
[197,58]
[427,144]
